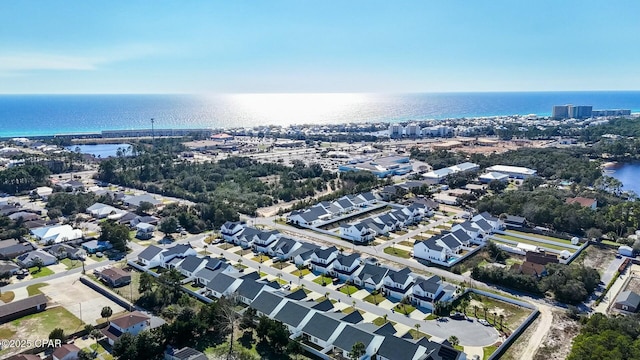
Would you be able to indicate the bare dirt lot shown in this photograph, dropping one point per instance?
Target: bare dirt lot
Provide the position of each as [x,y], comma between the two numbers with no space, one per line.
[557,343]
[597,257]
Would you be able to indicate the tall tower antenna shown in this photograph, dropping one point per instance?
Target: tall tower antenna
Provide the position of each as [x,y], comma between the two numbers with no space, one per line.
[153,133]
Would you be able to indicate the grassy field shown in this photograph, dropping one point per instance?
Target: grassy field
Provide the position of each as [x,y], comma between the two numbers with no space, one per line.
[260,258]
[71,264]
[544,237]
[526,241]
[397,252]
[35,289]
[101,351]
[381,321]
[431,317]
[39,325]
[35,273]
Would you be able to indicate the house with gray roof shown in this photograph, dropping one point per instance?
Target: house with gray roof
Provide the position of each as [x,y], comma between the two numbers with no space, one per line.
[94,246]
[268,303]
[294,316]
[27,260]
[302,255]
[322,330]
[309,217]
[352,334]
[283,248]
[398,283]
[11,248]
[7,266]
[345,267]
[322,259]
[357,232]
[134,201]
[223,285]
[264,240]
[249,290]
[246,237]
[231,229]
[150,257]
[191,264]
[371,277]
[627,301]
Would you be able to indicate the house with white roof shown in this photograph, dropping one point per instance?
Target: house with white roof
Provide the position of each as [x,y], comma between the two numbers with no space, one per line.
[56,234]
[103,211]
[514,172]
[144,231]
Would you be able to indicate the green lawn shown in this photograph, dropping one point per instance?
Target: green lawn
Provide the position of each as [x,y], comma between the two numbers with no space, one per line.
[348,289]
[418,334]
[35,289]
[71,264]
[401,232]
[431,317]
[488,350]
[192,287]
[544,237]
[406,243]
[323,280]
[260,258]
[526,241]
[397,252]
[381,321]
[459,347]
[372,299]
[35,273]
[226,246]
[39,325]
[404,308]
[302,272]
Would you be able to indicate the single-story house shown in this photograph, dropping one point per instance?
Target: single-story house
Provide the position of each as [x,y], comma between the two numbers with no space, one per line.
[627,301]
[56,234]
[114,277]
[19,308]
[7,266]
[11,248]
[27,260]
[95,246]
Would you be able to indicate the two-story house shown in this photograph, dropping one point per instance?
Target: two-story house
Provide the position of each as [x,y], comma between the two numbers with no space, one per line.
[345,267]
[150,257]
[322,259]
[265,240]
[371,277]
[397,284]
[357,232]
[231,229]
[132,323]
[283,248]
[426,292]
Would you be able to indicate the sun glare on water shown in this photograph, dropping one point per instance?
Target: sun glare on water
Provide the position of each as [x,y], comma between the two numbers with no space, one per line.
[288,109]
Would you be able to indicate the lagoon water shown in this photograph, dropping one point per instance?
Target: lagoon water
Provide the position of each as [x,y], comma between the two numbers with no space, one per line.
[29,115]
[101,150]
[629,175]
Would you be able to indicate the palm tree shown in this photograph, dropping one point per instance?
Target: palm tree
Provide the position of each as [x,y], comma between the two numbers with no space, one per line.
[454,340]
[485,311]
[205,249]
[494,317]
[417,330]
[385,318]
[475,311]
[326,295]
[501,319]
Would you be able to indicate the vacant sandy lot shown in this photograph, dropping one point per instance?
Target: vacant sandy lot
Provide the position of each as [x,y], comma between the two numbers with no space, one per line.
[79,299]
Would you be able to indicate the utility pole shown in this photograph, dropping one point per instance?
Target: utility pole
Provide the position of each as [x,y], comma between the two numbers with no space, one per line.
[153,134]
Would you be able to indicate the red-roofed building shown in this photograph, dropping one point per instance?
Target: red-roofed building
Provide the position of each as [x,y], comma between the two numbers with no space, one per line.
[584,202]
[66,352]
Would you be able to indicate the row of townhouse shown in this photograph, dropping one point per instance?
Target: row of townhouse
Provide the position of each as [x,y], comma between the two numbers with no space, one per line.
[446,248]
[216,276]
[330,333]
[326,210]
[366,230]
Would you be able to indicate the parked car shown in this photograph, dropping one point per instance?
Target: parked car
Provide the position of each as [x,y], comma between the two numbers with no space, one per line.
[99,254]
[457,316]
[484,322]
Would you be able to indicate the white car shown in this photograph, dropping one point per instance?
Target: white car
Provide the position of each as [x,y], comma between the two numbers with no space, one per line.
[484,322]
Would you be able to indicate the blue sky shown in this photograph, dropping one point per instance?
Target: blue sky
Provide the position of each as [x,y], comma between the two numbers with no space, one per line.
[318,46]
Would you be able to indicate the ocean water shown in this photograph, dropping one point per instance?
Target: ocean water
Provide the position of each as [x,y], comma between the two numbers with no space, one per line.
[24,115]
